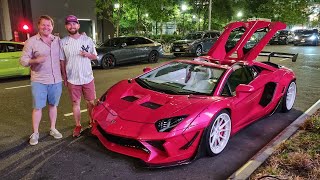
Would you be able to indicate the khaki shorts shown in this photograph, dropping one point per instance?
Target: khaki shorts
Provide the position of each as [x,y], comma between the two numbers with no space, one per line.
[88,91]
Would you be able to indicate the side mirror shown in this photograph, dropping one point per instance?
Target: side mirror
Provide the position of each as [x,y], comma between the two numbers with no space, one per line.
[146,69]
[123,45]
[243,88]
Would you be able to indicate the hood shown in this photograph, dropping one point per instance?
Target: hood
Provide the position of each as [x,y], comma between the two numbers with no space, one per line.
[105,49]
[131,102]
[184,41]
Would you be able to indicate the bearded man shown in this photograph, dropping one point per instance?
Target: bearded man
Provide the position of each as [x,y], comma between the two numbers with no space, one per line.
[77,51]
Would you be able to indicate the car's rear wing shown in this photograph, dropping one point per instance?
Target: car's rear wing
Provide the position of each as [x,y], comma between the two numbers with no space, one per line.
[279,54]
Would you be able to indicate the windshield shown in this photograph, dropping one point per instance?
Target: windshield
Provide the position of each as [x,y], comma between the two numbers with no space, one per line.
[283,33]
[236,35]
[182,78]
[113,42]
[304,32]
[194,36]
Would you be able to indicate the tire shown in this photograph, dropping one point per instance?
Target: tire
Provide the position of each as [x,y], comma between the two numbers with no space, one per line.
[218,133]
[198,51]
[153,57]
[289,97]
[108,62]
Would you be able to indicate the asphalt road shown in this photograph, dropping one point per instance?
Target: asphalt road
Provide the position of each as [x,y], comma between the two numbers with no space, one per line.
[85,157]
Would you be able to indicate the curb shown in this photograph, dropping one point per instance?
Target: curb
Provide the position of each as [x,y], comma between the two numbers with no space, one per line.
[247,169]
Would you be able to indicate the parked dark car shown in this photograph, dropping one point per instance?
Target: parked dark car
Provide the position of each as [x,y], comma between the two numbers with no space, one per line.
[126,50]
[237,34]
[195,43]
[306,37]
[282,37]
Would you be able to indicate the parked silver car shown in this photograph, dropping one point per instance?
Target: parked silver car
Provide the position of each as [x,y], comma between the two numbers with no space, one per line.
[195,43]
[126,50]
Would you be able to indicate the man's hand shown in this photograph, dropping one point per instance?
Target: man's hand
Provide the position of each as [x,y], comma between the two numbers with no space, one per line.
[84,53]
[88,55]
[38,60]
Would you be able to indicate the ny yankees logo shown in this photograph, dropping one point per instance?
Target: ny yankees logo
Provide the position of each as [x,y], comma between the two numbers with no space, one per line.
[85,48]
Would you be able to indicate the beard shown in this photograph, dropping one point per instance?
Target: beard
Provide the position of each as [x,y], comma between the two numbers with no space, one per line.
[73,32]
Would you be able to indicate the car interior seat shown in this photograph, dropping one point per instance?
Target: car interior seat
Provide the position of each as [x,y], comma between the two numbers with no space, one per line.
[200,80]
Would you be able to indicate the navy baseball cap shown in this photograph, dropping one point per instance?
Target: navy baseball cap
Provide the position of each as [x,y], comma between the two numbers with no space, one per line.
[71,18]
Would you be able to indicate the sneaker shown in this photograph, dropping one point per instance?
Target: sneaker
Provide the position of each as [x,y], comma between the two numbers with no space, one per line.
[34,139]
[77,131]
[55,133]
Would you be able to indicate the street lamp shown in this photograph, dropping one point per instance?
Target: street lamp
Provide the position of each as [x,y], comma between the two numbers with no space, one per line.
[184,7]
[117,6]
[239,14]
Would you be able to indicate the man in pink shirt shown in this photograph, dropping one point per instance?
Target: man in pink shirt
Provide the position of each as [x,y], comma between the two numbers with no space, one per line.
[41,53]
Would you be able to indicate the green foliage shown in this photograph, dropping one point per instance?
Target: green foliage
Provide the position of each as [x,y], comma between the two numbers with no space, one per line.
[288,11]
[165,38]
[132,18]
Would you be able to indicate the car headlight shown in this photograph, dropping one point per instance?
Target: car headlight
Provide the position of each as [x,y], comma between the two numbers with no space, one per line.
[166,125]
[296,37]
[99,56]
[313,37]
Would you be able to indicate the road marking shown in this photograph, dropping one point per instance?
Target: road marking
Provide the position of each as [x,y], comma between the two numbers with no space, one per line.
[310,54]
[284,59]
[70,114]
[17,87]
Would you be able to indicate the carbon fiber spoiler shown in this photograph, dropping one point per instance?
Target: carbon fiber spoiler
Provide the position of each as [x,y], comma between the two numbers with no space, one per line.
[279,54]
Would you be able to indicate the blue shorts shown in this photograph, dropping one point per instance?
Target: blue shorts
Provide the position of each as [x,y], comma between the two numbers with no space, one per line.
[42,93]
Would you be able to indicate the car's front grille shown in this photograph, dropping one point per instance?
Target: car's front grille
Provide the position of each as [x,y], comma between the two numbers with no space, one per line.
[178,45]
[127,142]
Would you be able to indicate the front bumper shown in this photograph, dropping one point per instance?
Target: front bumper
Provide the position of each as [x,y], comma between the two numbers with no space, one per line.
[182,49]
[142,141]
[277,41]
[95,63]
[304,42]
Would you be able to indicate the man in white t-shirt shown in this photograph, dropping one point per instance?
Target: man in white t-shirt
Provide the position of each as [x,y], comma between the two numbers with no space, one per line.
[77,51]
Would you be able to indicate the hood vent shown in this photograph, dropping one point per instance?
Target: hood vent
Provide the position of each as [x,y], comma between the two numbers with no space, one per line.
[130,98]
[151,105]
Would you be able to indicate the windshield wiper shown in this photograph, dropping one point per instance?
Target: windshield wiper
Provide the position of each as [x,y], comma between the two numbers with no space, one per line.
[144,83]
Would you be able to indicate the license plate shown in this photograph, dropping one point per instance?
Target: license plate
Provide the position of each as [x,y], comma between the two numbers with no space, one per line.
[177,49]
[303,40]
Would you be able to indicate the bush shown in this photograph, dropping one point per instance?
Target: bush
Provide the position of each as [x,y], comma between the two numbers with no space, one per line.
[165,38]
